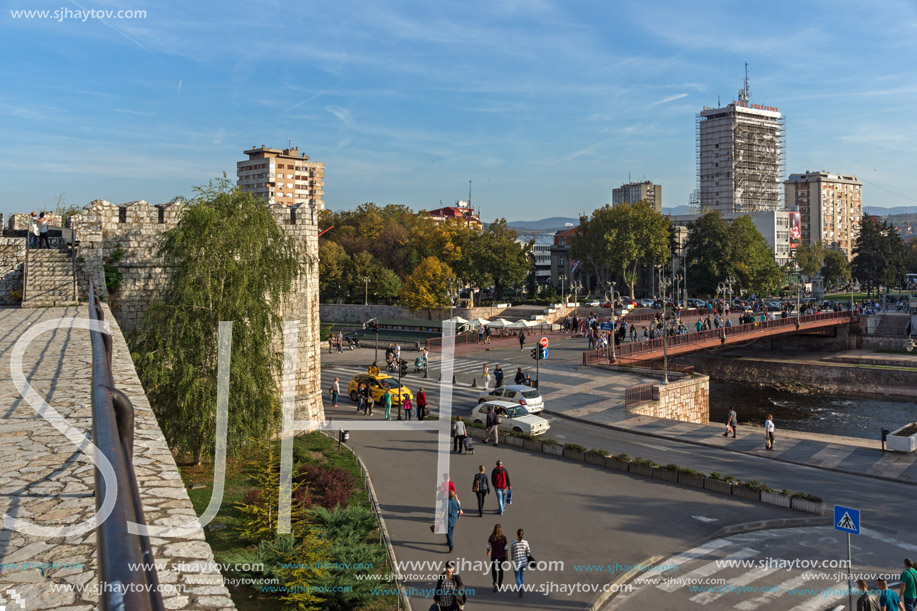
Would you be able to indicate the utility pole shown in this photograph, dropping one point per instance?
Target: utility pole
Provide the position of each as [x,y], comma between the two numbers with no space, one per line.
[366,290]
[664,284]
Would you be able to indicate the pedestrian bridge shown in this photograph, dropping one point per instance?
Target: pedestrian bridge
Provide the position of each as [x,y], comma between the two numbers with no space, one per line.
[651,350]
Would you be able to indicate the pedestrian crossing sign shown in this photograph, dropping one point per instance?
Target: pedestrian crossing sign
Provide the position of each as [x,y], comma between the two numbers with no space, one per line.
[847,519]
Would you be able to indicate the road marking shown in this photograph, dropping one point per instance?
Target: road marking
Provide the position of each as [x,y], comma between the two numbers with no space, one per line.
[886,539]
[817,603]
[743,580]
[700,552]
[705,519]
[779,590]
[710,568]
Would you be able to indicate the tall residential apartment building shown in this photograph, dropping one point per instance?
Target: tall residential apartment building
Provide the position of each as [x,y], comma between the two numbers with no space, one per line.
[740,157]
[282,176]
[830,207]
[634,192]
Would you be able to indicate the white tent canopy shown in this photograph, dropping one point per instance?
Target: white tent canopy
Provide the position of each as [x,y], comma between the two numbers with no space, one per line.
[457,320]
[499,323]
[522,324]
[477,322]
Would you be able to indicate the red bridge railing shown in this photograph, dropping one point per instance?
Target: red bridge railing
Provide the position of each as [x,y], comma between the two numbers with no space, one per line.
[647,349]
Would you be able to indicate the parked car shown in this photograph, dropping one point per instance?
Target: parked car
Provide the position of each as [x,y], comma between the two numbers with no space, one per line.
[518,394]
[593,304]
[515,417]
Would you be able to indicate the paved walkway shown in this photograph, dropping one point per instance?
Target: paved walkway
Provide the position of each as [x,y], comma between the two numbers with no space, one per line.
[46,480]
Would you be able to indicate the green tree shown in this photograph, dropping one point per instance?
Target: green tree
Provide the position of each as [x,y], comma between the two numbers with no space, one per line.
[910,257]
[836,268]
[810,257]
[879,256]
[621,238]
[495,256]
[332,269]
[387,284]
[427,287]
[718,249]
[230,261]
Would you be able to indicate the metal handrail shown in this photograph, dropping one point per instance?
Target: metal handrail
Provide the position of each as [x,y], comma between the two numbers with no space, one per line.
[121,587]
[25,266]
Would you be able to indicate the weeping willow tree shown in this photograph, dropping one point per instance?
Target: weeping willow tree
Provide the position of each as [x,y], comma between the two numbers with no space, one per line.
[229,261]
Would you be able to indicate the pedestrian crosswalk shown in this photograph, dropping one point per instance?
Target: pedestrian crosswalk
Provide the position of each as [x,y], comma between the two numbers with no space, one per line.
[466,371]
[749,572]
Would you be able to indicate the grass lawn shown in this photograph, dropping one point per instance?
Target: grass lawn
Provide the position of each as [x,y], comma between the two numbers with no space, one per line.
[314,448]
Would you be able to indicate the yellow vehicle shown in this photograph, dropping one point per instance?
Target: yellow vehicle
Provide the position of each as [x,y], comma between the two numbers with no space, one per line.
[378,384]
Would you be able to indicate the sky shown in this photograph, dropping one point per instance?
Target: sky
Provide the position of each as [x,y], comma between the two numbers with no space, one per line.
[545,106]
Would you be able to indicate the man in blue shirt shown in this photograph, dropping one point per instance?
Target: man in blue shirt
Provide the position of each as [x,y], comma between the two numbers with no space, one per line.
[453,511]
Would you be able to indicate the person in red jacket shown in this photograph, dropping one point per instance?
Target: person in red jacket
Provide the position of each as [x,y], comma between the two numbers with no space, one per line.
[499,477]
[421,404]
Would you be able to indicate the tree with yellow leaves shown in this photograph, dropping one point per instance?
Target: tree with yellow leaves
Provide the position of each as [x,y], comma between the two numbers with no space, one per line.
[427,287]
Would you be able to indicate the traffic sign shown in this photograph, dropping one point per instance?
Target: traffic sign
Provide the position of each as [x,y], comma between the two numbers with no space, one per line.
[544,342]
[606,326]
[544,353]
[847,519]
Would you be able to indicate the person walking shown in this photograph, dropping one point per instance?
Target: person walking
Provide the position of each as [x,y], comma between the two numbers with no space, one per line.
[769,432]
[335,391]
[499,477]
[426,358]
[340,341]
[497,547]
[452,514]
[866,601]
[888,599]
[498,377]
[450,591]
[731,421]
[907,591]
[486,377]
[459,433]
[492,424]
[487,334]
[521,340]
[481,487]
[387,404]
[520,377]
[406,406]
[421,404]
[520,553]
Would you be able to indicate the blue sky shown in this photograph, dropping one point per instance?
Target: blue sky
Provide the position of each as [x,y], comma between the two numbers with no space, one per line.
[545,106]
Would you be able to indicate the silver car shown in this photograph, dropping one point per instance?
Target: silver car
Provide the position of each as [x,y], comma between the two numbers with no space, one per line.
[514,417]
[518,394]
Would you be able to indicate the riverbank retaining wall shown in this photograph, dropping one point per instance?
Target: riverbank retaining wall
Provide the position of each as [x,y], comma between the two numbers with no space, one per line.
[684,400]
[807,378]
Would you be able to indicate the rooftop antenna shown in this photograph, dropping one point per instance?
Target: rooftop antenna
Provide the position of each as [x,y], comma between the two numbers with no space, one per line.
[469,194]
[744,93]
[718,101]
[628,175]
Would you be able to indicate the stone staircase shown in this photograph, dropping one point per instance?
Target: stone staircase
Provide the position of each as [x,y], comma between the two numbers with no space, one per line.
[48,279]
[892,324]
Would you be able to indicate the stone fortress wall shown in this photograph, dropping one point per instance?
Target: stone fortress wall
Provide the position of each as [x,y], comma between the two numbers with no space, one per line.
[136,228]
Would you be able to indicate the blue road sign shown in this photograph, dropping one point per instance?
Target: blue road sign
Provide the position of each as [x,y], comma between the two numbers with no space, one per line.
[847,519]
[606,326]
[544,353]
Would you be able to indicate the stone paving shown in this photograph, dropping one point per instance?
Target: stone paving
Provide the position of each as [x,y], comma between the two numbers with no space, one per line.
[48,481]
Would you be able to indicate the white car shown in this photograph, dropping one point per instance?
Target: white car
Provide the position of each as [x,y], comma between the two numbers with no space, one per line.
[515,417]
[518,394]
[593,304]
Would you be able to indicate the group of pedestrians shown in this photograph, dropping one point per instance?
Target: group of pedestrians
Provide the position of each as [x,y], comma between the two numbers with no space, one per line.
[501,552]
[883,598]
[732,426]
[38,229]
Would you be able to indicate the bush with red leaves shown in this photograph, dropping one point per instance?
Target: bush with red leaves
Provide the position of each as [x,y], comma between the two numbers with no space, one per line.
[323,486]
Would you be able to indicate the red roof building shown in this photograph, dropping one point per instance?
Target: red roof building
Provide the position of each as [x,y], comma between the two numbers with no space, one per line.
[461,211]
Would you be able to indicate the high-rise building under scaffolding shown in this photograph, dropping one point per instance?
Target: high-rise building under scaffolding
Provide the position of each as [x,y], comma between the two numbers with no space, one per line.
[740,156]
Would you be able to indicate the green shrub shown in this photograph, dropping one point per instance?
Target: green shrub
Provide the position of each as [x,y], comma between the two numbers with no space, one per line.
[623,457]
[599,452]
[548,441]
[646,462]
[574,447]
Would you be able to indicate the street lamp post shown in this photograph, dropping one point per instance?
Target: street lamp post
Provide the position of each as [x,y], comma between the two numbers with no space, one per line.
[664,284]
[365,290]
[576,286]
[563,286]
[612,297]
[722,287]
[852,283]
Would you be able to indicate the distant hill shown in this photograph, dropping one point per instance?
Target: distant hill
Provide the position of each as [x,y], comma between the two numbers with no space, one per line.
[555,223]
[881,211]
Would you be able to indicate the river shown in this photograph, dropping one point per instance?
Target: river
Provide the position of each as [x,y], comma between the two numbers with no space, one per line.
[850,416]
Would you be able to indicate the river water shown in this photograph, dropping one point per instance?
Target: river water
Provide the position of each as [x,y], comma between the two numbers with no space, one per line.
[819,413]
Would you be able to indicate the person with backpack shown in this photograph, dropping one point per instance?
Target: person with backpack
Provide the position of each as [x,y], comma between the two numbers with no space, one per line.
[907,591]
[452,513]
[499,477]
[481,488]
[406,406]
[496,549]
